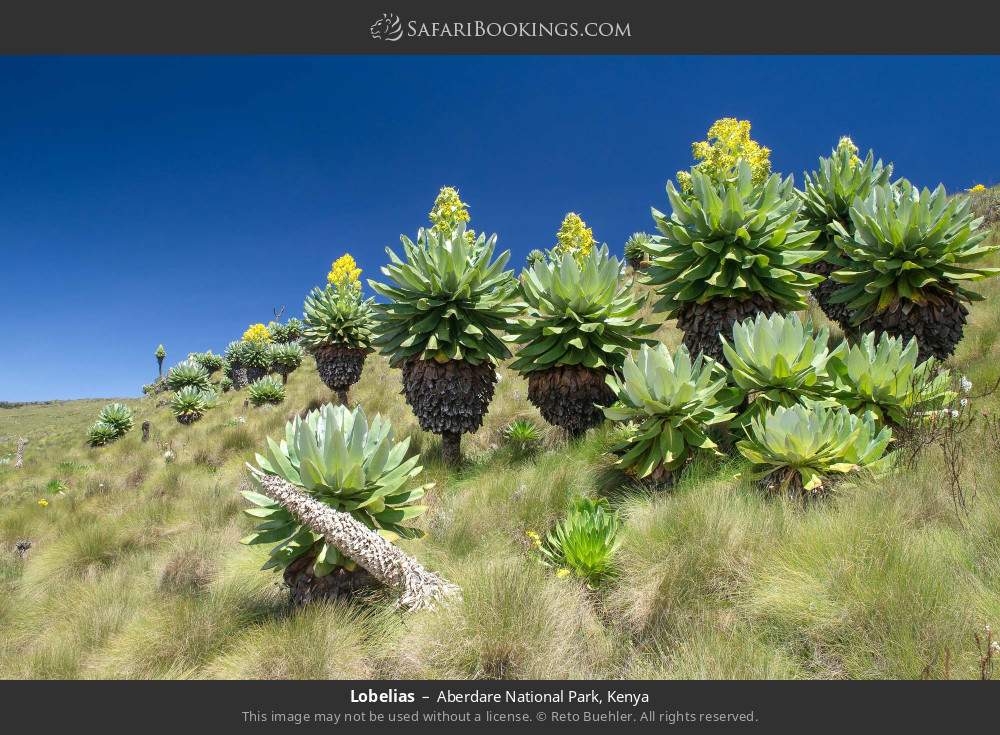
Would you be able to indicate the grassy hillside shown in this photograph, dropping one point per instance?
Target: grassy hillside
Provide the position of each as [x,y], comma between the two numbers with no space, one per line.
[135,569]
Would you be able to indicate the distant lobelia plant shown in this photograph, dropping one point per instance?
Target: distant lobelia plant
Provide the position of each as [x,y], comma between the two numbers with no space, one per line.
[827,196]
[189,404]
[909,255]
[286,359]
[449,305]
[256,357]
[118,416]
[338,327]
[160,354]
[188,374]
[210,361]
[101,434]
[728,252]
[336,457]
[535,256]
[113,422]
[235,368]
[779,361]
[289,332]
[266,390]
[584,543]
[671,404]
[636,249]
[803,450]
[580,324]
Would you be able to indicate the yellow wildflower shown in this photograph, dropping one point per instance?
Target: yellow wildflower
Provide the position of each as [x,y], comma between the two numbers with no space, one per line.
[43,503]
[574,237]
[344,274]
[562,572]
[448,211]
[536,540]
[728,141]
[845,143]
[977,188]
[256,333]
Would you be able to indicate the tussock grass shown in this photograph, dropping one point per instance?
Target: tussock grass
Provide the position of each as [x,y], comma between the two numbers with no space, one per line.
[514,621]
[135,570]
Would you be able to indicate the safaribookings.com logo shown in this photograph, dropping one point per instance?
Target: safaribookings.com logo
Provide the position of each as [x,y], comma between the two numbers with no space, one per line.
[390,28]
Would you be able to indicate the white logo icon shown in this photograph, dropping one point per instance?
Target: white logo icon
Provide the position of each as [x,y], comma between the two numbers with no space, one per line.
[387,28]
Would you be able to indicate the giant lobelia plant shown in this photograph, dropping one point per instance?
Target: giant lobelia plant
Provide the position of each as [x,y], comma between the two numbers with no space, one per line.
[827,196]
[729,251]
[336,457]
[449,305]
[338,327]
[909,256]
[581,322]
[672,402]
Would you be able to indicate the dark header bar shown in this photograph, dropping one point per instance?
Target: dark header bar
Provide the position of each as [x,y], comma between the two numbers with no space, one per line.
[511,27]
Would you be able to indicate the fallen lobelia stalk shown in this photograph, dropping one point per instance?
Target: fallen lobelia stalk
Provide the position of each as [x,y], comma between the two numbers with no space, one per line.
[384,560]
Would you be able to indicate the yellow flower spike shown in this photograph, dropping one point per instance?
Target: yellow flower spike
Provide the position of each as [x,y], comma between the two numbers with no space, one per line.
[728,141]
[257,333]
[43,503]
[448,211]
[574,237]
[846,143]
[345,276]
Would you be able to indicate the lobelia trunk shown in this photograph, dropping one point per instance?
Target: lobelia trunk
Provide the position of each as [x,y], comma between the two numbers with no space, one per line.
[145,431]
[340,367]
[449,399]
[569,396]
[451,448]
[938,327]
[703,323]
[390,565]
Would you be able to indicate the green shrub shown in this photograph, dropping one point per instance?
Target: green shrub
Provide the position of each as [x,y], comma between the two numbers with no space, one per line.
[585,541]
[266,390]
[256,354]
[523,435]
[335,456]
[909,258]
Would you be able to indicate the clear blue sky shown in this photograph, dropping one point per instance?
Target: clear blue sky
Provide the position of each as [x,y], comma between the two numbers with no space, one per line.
[177,200]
